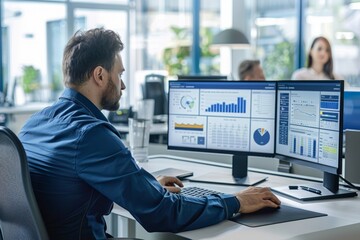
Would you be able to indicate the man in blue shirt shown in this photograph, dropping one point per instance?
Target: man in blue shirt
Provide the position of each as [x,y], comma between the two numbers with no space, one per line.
[79,165]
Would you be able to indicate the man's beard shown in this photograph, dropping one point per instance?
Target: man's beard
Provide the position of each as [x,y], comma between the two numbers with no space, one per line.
[110,99]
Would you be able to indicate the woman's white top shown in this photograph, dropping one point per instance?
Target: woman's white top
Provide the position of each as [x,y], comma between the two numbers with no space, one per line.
[311,74]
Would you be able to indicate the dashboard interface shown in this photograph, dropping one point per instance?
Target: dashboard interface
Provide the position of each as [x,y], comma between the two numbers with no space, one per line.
[308,122]
[226,116]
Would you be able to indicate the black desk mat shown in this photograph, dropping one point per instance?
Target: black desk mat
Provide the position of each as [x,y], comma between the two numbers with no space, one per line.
[270,216]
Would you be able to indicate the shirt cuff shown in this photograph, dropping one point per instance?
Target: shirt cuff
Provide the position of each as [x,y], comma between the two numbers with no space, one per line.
[232,204]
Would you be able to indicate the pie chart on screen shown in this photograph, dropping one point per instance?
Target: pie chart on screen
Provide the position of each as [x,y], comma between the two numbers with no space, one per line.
[261,136]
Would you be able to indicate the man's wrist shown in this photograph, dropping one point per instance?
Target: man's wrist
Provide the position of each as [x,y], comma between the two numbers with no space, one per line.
[239,203]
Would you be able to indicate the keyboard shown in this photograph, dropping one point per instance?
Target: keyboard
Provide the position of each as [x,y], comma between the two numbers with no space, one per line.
[197,192]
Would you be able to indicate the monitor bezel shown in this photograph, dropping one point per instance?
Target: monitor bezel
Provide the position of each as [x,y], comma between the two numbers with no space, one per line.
[211,150]
[321,167]
[202,78]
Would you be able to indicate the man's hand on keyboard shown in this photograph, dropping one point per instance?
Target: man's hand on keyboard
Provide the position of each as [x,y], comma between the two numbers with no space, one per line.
[256,198]
[170,183]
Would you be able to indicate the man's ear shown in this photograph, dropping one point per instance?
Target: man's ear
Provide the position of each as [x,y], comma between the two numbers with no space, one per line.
[99,75]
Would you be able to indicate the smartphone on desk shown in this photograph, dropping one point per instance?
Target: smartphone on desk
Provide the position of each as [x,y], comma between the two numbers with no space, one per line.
[173,172]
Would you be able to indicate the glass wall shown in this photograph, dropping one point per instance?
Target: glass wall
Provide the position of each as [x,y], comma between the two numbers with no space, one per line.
[209,24]
[273,35]
[162,27]
[33,43]
[158,36]
[338,21]
[162,41]
[26,56]
[275,31]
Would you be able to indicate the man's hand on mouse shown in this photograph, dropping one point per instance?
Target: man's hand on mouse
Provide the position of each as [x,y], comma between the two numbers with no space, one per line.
[256,198]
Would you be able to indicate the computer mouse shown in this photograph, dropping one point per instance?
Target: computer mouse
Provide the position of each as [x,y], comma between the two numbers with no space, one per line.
[269,209]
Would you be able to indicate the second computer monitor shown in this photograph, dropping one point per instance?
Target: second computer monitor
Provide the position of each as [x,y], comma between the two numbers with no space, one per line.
[309,132]
[309,123]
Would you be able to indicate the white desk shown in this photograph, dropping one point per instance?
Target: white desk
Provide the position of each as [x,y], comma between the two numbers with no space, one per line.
[342,213]
[24,109]
[16,116]
[158,129]
[155,128]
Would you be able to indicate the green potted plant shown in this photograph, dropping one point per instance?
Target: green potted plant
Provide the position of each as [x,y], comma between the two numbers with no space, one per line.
[56,85]
[30,81]
[177,58]
[279,63]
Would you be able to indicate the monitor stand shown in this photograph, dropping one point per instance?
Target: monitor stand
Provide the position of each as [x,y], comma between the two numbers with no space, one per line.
[240,175]
[328,190]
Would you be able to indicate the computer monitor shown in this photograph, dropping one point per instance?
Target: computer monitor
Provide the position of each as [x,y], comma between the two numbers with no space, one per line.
[351,109]
[232,117]
[202,77]
[309,132]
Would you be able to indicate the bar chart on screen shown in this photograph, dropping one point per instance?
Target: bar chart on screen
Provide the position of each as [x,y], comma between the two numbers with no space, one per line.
[232,104]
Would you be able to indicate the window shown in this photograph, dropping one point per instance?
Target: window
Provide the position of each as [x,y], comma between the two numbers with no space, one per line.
[101,1]
[33,43]
[27,47]
[5,53]
[161,41]
[56,41]
[158,38]
[274,32]
[209,24]
[338,21]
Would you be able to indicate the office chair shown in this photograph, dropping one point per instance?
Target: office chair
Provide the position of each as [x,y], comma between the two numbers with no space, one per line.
[154,88]
[20,217]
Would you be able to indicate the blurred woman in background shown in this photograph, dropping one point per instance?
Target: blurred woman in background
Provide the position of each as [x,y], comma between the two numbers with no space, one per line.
[320,63]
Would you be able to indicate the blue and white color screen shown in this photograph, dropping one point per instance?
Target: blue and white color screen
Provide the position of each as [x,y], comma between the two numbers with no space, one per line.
[308,122]
[227,116]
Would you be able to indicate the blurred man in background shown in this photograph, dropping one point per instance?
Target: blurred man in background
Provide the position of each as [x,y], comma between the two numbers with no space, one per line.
[250,70]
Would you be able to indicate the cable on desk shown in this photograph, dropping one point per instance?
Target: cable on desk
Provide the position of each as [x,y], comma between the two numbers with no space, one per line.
[350,185]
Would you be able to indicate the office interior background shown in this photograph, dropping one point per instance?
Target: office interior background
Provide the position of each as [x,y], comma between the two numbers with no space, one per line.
[173,37]
[170,38]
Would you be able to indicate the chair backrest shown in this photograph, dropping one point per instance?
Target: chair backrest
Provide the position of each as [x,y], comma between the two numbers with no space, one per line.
[154,88]
[20,217]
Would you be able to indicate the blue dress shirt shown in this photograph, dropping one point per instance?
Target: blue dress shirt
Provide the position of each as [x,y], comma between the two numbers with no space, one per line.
[79,166]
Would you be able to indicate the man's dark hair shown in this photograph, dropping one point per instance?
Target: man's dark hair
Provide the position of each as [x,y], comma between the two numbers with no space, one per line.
[87,50]
[246,67]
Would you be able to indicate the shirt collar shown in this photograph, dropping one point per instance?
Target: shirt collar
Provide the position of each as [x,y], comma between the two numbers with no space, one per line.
[78,98]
